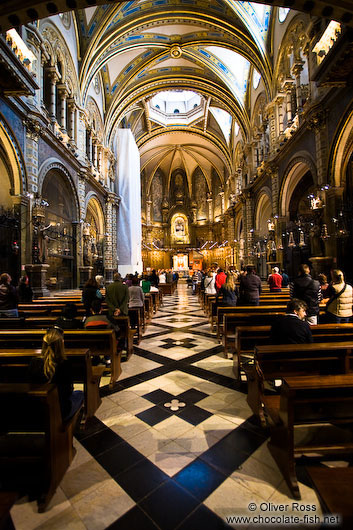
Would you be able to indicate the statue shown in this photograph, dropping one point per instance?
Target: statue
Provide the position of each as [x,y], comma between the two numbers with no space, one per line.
[315,243]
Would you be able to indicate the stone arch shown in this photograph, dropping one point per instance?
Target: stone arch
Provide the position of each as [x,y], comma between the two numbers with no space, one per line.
[54,164]
[12,160]
[291,48]
[295,171]
[57,50]
[93,204]
[342,149]
[94,117]
[263,212]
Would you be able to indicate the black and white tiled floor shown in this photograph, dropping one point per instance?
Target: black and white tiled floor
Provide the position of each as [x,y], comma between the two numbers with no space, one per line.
[148,462]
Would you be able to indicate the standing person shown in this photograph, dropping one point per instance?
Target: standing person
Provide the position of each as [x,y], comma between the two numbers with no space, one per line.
[53,367]
[275,281]
[339,306]
[169,276]
[90,292]
[229,291]
[250,287]
[145,285]
[136,296]
[324,285]
[117,297]
[220,279]
[8,297]
[24,290]
[305,288]
[162,277]
[292,328]
[285,278]
[154,278]
[209,283]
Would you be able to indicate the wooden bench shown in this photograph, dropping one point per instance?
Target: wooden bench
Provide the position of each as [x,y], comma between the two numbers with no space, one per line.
[232,321]
[247,337]
[99,342]
[36,446]
[311,401]
[334,486]
[217,319]
[273,362]
[167,288]
[14,369]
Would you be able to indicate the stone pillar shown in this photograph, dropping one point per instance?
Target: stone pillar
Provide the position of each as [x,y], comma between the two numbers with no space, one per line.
[53,80]
[297,68]
[210,208]
[37,274]
[95,152]
[271,112]
[287,86]
[280,111]
[248,228]
[148,210]
[71,105]
[62,95]
[110,251]
[317,121]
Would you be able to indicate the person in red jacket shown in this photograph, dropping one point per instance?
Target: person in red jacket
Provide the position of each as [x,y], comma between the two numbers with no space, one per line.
[220,279]
[275,281]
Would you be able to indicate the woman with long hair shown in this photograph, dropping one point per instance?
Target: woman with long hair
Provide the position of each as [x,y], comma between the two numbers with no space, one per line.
[53,367]
[90,292]
[339,305]
[229,291]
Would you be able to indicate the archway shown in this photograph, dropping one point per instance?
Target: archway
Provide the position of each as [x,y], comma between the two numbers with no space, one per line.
[93,236]
[60,222]
[12,184]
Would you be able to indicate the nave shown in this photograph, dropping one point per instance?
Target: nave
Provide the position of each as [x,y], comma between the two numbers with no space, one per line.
[141,464]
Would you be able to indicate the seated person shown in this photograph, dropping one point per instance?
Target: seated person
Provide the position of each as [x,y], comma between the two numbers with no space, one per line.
[24,291]
[97,319]
[53,367]
[68,319]
[292,327]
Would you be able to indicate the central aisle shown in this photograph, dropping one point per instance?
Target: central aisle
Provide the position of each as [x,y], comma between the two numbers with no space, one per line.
[143,464]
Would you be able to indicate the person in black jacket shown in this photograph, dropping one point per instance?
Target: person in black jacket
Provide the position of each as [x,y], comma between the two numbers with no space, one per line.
[250,287]
[90,292]
[68,319]
[8,297]
[292,328]
[309,290]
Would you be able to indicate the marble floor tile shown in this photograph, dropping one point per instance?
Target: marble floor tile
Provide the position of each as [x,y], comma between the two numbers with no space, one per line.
[141,466]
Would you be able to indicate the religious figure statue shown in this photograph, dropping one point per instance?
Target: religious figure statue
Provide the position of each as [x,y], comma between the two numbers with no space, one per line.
[315,243]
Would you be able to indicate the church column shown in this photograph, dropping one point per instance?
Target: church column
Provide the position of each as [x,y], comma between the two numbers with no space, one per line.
[62,90]
[317,121]
[248,215]
[280,112]
[53,80]
[271,112]
[71,105]
[287,87]
[148,210]
[95,151]
[297,68]
[110,251]
[210,207]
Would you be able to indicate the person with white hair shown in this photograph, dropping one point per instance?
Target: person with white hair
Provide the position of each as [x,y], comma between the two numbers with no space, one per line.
[275,281]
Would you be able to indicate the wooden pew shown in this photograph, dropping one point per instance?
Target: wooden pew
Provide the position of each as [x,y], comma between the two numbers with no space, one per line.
[247,337]
[99,342]
[167,288]
[285,360]
[253,310]
[334,486]
[14,369]
[36,446]
[311,401]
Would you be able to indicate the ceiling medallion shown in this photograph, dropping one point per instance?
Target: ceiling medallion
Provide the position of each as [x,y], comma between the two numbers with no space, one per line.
[175,51]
